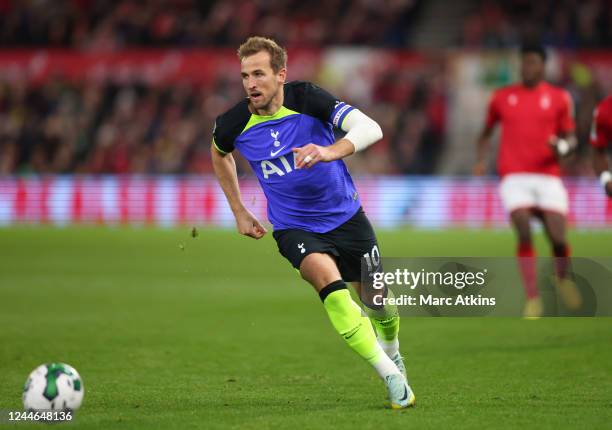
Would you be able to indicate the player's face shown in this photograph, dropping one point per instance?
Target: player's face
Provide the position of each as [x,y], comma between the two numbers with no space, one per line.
[259,80]
[532,68]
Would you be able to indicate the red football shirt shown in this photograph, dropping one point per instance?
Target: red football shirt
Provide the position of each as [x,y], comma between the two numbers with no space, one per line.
[529,117]
[601,130]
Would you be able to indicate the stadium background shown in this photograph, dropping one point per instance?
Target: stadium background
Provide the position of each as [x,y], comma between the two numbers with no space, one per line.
[106,113]
[92,88]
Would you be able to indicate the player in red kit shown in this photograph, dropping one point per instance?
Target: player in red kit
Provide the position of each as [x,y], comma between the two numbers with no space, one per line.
[537,129]
[601,138]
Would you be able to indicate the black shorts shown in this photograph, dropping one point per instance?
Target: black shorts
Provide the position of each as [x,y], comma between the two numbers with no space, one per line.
[348,244]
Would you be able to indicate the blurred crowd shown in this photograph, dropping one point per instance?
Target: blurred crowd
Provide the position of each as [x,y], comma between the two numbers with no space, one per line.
[102,126]
[95,128]
[92,127]
[556,23]
[98,127]
[411,108]
[111,25]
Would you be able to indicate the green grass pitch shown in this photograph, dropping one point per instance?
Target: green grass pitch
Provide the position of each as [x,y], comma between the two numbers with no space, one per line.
[218,331]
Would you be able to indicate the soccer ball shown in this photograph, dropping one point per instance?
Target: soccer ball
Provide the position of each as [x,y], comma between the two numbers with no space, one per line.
[53,387]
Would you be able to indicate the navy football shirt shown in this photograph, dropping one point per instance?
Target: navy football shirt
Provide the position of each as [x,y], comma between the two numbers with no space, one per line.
[317,199]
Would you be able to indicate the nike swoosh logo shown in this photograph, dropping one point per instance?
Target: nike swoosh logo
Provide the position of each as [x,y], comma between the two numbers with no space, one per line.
[405,395]
[273,153]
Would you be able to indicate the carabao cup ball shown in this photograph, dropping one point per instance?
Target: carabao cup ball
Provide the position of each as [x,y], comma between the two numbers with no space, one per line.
[53,387]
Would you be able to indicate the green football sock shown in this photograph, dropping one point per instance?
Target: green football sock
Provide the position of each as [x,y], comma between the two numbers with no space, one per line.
[386,328]
[386,322]
[345,315]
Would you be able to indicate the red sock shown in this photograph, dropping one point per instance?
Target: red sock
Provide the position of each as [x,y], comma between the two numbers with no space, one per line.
[527,264]
[562,260]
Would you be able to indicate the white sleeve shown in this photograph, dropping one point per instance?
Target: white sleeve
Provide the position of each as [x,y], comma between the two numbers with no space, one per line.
[361,130]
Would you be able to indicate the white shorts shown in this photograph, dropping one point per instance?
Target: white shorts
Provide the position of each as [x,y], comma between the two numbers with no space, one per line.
[533,191]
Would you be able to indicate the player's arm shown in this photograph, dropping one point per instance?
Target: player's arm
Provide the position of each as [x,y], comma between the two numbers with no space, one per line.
[599,141]
[483,144]
[602,169]
[225,171]
[565,142]
[361,132]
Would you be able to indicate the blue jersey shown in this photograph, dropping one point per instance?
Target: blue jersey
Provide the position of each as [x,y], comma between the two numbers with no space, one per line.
[317,199]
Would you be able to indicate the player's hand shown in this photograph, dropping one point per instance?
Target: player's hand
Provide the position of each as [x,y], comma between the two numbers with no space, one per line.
[561,146]
[309,155]
[249,225]
[609,189]
[480,169]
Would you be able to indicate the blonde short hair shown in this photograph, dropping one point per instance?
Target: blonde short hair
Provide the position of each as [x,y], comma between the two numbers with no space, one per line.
[255,44]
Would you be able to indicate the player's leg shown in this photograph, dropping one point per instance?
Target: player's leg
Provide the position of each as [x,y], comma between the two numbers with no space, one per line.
[518,195]
[355,240]
[555,228]
[321,271]
[553,199]
[386,322]
[385,319]
[525,251]
[311,253]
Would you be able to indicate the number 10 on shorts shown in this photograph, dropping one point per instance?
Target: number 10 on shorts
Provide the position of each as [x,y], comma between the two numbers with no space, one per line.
[372,259]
